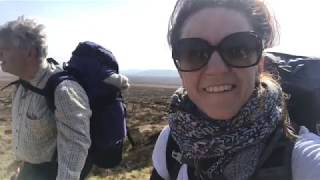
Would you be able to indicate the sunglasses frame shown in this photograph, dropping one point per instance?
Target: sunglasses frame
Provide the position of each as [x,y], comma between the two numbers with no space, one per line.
[217,48]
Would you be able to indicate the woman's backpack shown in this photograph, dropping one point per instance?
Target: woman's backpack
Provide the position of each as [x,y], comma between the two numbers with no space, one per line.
[300,79]
[89,65]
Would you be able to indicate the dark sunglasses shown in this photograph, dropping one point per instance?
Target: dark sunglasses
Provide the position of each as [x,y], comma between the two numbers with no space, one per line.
[239,50]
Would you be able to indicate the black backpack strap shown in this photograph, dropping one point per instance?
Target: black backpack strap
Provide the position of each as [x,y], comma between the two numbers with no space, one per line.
[51,85]
[275,161]
[25,84]
[172,158]
[52,61]
[48,90]
[271,145]
[32,88]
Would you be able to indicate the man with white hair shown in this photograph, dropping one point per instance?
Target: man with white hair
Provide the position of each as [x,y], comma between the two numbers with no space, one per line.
[52,145]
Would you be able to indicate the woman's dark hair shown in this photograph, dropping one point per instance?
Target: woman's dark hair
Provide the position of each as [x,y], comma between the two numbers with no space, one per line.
[255,11]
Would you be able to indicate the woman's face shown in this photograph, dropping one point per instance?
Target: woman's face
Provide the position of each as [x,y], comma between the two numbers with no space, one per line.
[217,89]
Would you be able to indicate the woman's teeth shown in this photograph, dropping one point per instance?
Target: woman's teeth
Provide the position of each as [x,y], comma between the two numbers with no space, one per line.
[218,89]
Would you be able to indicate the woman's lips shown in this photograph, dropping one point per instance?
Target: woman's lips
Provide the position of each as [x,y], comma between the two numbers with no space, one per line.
[219,88]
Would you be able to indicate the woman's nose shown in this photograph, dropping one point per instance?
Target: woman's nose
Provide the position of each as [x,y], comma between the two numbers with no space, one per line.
[216,64]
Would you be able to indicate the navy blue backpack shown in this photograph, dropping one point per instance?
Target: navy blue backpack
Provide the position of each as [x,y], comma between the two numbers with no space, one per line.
[89,65]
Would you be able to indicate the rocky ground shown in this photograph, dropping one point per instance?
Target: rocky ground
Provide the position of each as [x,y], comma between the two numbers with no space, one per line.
[147,109]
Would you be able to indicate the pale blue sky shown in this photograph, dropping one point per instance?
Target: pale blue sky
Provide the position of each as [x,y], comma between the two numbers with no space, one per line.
[135,30]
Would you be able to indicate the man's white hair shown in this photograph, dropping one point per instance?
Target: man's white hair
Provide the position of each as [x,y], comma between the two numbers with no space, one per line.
[24,33]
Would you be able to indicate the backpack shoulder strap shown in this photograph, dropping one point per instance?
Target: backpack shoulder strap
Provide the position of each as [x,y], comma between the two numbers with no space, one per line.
[48,90]
[173,160]
[32,88]
[275,161]
[51,85]
[271,145]
[173,157]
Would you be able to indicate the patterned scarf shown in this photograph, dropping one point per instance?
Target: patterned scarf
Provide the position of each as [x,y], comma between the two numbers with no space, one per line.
[203,139]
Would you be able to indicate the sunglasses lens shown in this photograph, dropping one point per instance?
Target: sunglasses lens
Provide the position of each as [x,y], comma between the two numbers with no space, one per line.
[241,49]
[190,54]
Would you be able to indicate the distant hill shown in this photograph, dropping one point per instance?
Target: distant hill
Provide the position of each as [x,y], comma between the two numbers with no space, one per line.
[158,77]
[153,72]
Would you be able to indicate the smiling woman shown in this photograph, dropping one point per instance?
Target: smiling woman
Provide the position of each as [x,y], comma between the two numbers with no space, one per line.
[227,112]
[230,69]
